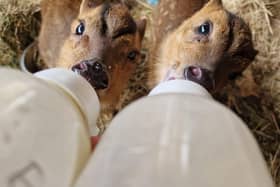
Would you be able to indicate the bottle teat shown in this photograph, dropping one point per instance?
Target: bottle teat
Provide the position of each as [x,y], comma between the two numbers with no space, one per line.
[79,89]
[180,86]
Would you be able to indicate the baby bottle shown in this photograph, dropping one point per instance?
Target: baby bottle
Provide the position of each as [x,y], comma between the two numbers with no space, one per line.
[45,127]
[178,136]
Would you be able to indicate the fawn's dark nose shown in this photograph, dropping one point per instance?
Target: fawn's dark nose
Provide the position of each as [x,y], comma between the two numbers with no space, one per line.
[94,72]
[202,76]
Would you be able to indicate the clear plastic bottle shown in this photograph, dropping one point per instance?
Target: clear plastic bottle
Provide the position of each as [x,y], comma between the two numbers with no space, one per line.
[44,127]
[178,136]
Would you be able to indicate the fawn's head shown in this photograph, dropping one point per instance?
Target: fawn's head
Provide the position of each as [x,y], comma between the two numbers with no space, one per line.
[209,48]
[105,47]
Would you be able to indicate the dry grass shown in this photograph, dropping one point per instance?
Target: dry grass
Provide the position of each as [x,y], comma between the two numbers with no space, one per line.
[8,56]
[255,97]
[19,23]
[259,105]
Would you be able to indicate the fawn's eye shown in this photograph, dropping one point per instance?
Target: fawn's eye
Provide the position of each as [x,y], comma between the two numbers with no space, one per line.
[132,55]
[205,28]
[234,75]
[80,29]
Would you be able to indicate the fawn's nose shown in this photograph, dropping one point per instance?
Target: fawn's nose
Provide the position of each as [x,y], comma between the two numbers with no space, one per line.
[202,76]
[94,72]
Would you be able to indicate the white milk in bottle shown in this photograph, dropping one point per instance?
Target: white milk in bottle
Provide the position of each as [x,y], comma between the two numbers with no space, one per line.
[176,137]
[45,126]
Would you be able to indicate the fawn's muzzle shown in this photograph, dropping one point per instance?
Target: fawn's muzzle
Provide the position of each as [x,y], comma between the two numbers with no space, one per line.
[202,76]
[94,72]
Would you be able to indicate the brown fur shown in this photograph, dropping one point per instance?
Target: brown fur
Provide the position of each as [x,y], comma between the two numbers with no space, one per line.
[93,44]
[168,15]
[227,49]
[57,16]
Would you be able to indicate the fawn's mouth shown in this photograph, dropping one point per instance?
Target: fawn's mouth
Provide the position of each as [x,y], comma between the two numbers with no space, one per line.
[197,74]
[94,72]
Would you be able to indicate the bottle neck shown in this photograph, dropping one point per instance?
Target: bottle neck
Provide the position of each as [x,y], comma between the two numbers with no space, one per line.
[180,87]
[80,91]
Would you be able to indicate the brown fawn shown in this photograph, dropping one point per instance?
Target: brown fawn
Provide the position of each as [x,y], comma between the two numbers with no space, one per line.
[99,40]
[209,47]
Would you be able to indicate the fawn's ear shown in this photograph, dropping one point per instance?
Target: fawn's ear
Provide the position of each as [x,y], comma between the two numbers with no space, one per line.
[141,27]
[241,51]
[89,4]
[214,3]
[242,44]
[128,4]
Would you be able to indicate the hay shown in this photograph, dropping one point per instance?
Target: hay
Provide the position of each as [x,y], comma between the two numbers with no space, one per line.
[8,56]
[19,22]
[260,106]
